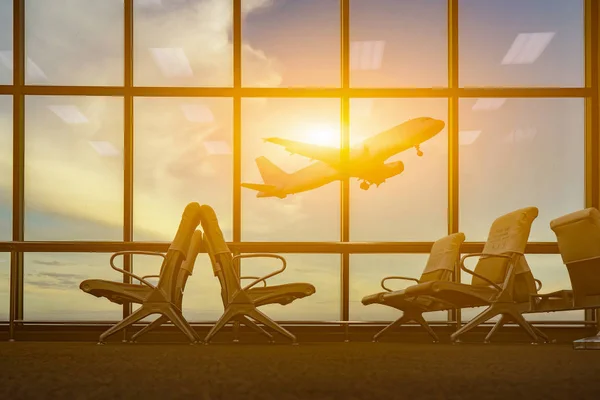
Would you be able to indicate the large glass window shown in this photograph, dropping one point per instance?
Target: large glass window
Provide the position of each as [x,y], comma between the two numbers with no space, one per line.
[521,43]
[182,153]
[379,58]
[291,43]
[6,42]
[311,214]
[6,167]
[74,42]
[4,286]
[73,168]
[183,43]
[51,287]
[517,153]
[411,206]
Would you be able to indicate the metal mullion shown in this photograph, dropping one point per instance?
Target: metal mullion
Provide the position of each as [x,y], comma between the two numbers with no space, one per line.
[453,156]
[7,90]
[127,144]
[345,151]
[18,203]
[522,92]
[237,120]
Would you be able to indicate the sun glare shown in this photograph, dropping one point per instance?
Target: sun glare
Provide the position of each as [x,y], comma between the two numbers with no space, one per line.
[322,135]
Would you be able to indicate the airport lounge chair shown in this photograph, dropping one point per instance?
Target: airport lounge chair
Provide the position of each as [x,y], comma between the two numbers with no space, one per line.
[160,299]
[240,303]
[441,266]
[502,280]
[578,237]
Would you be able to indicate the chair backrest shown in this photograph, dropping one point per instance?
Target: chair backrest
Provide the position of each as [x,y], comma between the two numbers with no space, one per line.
[177,252]
[443,258]
[220,255]
[578,236]
[508,235]
[187,267]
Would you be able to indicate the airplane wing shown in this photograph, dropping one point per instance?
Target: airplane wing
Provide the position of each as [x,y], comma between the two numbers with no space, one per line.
[329,155]
[259,187]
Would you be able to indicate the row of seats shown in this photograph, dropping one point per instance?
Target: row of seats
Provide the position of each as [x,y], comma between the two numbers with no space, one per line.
[501,280]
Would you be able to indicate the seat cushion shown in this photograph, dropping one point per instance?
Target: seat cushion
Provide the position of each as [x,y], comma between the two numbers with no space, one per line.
[281,294]
[458,294]
[116,292]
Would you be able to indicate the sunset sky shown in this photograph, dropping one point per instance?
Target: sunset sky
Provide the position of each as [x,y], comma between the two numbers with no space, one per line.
[513,152]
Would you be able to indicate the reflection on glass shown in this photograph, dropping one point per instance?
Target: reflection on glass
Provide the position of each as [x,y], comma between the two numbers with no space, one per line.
[6,42]
[366,273]
[521,42]
[74,42]
[517,153]
[291,43]
[182,153]
[183,43]
[6,168]
[411,206]
[306,216]
[51,287]
[398,43]
[73,168]
[4,286]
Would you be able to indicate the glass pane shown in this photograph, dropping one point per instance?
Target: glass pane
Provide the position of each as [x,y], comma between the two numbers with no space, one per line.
[182,153]
[310,215]
[521,43]
[411,206]
[4,286]
[366,273]
[6,42]
[51,287]
[320,270]
[518,153]
[6,167]
[291,43]
[183,43]
[74,42]
[378,58]
[73,168]
[549,269]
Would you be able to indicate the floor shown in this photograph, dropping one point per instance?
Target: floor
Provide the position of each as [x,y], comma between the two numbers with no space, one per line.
[33,370]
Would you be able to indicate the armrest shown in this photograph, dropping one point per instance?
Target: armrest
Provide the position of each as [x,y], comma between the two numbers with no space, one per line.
[236,259]
[539,284]
[254,277]
[131,274]
[395,277]
[462,266]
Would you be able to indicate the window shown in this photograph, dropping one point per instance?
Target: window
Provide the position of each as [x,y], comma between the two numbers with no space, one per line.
[521,43]
[291,43]
[4,286]
[74,42]
[517,153]
[51,287]
[73,168]
[182,153]
[6,42]
[398,43]
[311,215]
[411,206]
[6,169]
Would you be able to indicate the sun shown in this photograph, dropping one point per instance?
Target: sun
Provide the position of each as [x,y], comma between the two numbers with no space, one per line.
[322,135]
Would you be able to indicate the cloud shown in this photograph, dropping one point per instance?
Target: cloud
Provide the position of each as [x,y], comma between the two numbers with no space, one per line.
[55,280]
[51,263]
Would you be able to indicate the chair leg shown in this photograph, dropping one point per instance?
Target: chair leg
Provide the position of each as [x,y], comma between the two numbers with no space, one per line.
[485,315]
[503,320]
[180,322]
[419,318]
[266,321]
[402,320]
[153,325]
[518,318]
[225,318]
[252,325]
[134,317]
[540,334]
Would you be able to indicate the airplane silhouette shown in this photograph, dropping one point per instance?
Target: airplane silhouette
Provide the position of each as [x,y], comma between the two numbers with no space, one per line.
[365,161]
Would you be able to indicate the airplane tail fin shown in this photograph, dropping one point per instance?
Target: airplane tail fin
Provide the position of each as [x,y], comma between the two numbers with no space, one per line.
[271,173]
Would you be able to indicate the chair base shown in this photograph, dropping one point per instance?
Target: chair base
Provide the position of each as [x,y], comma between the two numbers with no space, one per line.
[590,343]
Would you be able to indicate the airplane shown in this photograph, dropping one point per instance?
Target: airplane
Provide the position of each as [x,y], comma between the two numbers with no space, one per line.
[365,161]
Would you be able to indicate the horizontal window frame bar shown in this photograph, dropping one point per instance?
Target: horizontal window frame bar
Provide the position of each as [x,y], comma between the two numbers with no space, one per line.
[261,247]
[282,92]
